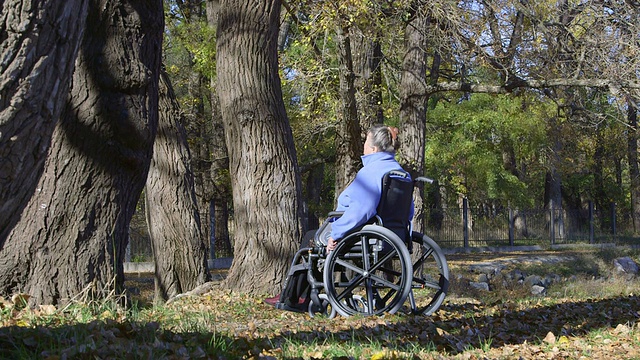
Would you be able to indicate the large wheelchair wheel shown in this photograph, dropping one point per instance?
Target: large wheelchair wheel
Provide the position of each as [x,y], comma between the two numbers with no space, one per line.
[368,273]
[430,276]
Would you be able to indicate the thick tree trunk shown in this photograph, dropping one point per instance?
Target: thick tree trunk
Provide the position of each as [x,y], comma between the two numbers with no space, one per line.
[413,108]
[262,158]
[349,140]
[74,231]
[39,42]
[179,251]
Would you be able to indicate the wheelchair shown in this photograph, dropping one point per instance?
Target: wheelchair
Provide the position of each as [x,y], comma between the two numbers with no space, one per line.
[376,268]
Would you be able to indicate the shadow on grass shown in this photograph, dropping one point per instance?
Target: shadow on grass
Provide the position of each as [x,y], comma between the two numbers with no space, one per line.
[460,329]
[454,329]
[112,340]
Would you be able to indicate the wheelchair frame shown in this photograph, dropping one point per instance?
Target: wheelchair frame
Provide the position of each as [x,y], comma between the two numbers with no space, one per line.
[373,271]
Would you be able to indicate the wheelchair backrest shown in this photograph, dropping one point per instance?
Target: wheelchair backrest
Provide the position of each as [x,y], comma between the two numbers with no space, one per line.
[394,207]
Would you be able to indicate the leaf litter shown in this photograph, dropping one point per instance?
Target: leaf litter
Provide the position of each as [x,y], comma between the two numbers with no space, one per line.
[222,324]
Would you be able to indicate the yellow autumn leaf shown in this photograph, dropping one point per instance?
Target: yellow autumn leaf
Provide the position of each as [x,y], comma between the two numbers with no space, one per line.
[563,340]
[385,355]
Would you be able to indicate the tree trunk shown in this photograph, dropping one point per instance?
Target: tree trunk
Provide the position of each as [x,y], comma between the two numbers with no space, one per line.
[597,170]
[349,140]
[39,42]
[413,108]
[219,169]
[262,158]
[634,172]
[367,58]
[314,195]
[74,230]
[179,251]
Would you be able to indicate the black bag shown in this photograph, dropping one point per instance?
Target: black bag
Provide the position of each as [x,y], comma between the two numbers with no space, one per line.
[295,292]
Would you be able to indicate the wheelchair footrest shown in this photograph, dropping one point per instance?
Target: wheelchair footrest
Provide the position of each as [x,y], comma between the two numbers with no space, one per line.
[300,308]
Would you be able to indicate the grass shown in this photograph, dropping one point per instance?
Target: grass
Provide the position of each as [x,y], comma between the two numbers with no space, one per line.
[591,311]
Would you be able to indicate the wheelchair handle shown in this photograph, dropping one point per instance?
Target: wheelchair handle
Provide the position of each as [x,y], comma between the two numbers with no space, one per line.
[424,179]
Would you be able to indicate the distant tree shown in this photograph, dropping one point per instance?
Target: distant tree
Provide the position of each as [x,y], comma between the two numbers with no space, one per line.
[189,54]
[73,233]
[348,135]
[632,154]
[219,164]
[39,42]
[262,159]
[179,251]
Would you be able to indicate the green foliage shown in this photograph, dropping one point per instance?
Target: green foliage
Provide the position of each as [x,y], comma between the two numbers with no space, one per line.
[468,142]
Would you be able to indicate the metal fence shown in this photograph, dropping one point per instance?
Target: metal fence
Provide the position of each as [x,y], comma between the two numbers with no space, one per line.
[487,227]
[492,227]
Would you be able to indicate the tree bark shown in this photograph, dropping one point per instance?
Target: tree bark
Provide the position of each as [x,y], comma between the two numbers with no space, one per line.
[262,158]
[634,172]
[39,42]
[179,251]
[73,233]
[367,58]
[349,140]
[413,108]
[219,167]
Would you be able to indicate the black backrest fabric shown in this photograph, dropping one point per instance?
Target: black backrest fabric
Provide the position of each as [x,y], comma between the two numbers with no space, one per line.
[395,202]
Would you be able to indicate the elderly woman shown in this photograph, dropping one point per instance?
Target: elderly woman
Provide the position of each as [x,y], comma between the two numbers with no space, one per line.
[358,202]
[360,199]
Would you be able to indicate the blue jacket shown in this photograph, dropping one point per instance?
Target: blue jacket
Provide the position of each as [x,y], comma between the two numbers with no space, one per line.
[360,199]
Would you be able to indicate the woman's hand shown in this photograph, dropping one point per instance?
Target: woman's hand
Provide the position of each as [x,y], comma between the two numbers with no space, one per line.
[331,244]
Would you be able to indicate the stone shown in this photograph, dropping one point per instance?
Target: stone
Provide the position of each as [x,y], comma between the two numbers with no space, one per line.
[532,280]
[538,290]
[486,268]
[479,285]
[626,265]
[516,275]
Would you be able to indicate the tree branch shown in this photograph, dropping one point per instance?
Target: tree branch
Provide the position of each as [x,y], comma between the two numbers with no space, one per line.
[614,86]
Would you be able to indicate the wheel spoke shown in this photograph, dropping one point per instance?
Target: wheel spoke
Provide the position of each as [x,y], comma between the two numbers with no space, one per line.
[361,277]
[349,265]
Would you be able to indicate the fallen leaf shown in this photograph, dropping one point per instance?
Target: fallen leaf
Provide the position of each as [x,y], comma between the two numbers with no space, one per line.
[20,300]
[47,309]
[550,338]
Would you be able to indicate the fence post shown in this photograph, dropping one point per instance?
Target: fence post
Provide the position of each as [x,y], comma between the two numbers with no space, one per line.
[592,239]
[511,229]
[465,221]
[552,225]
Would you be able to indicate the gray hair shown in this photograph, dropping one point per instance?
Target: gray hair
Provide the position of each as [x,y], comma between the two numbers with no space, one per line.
[385,138]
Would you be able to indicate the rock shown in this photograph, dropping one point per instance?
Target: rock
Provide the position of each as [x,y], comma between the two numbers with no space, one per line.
[479,285]
[538,290]
[532,280]
[551,279]
[483,278]
[626,265]
[486,268]
[516,275]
